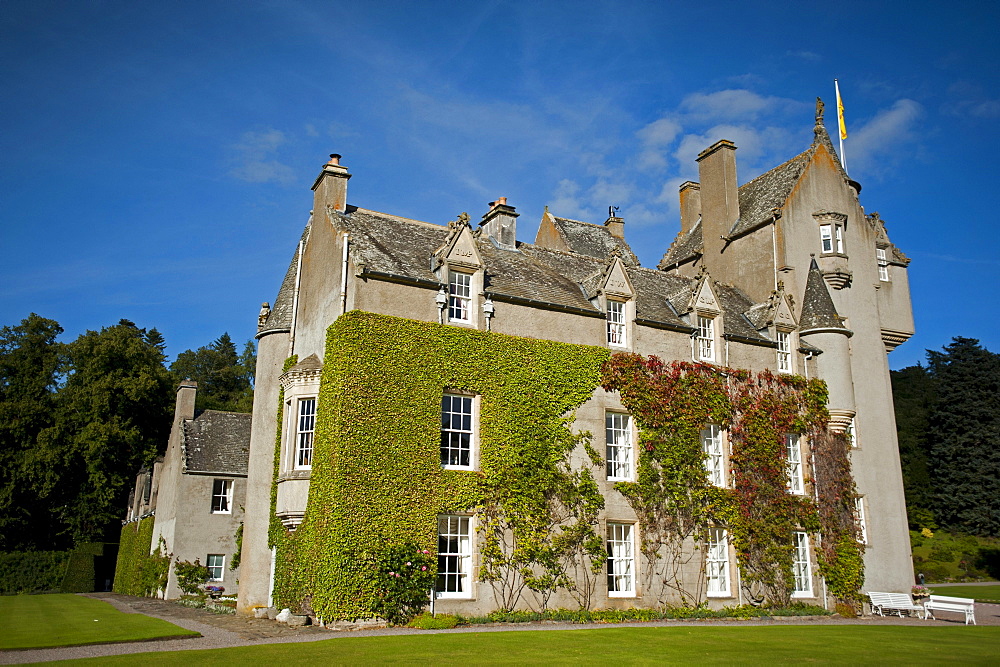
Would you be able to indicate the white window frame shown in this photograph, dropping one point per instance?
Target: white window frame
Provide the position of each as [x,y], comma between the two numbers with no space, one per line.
[883,264]
[303,432]
[784,352]
[717,583]
[616,323]
[705,341]
[711,444]
[826,238]
[459,297]
[222,496]
[618,445]
[621,560]
[831,238]
[216,563]
[454,556]
[859,515]
[801,566]
[793,454]
[458,431]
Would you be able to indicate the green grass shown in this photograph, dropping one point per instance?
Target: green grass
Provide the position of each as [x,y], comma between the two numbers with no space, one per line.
[44,621]
[980,593]
[621,646]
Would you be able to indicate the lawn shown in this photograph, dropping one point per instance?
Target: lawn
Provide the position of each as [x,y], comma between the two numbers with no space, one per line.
[989,593]
[42,621]
[623,646]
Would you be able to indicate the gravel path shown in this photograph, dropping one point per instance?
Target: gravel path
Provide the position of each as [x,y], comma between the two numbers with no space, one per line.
[224,631]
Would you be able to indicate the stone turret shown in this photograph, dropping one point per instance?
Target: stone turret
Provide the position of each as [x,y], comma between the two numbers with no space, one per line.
[821,326]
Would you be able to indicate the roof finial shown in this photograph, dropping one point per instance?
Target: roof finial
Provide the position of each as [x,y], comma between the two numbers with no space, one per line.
[819,110]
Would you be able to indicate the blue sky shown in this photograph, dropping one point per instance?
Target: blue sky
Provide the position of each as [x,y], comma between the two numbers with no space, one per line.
[157,157]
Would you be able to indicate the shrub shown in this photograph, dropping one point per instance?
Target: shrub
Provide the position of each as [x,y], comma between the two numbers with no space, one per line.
[427,622]
[190,576]
[31,571]
[405,576]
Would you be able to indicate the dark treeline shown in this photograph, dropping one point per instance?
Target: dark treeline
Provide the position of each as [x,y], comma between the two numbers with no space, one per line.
[948,418]
[78,419]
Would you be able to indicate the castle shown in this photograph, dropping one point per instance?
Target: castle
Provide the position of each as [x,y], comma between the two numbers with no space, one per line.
[785,273]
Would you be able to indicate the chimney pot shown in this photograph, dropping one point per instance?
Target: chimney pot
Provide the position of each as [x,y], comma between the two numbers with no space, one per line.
[335,159]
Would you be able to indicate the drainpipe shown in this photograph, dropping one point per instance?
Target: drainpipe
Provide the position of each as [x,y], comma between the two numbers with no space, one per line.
[295,300]
[343,276]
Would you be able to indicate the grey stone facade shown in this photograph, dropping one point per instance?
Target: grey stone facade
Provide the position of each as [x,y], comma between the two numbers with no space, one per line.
[786,273]
[197,491]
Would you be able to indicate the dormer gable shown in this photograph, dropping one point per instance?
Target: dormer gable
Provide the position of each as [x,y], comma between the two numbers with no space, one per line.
[703,297]
[459,248]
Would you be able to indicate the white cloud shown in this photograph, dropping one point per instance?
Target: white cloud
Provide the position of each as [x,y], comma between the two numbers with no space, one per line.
[254,162]
[655,137]
[733,104]
[882,140]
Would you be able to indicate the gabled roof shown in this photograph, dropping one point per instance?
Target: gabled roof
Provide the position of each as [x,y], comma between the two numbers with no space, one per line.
[592,240]
[216,441]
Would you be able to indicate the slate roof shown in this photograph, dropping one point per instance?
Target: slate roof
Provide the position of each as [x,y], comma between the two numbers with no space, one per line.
[398,248]
[684,248]
[280,318]
[759,199]
[818,310]
[593,240]
[216,441]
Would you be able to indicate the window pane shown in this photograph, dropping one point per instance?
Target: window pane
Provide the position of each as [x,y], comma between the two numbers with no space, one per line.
[454,556]
[621,578]
[456,430]
[618,436]
[706,338]
[717,562]
[304,433]
[616,323]
[222,496]
[801,568]
[784,351]
[711,442]
[459,296]
[793,451]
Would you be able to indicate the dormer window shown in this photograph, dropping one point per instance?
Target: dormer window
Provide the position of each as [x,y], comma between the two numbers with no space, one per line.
[459,296]
[831,238]
[706,338]
[616,323]
[784,340]
[883,264]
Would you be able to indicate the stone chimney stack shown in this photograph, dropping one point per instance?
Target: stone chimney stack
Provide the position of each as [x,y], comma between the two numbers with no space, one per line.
[615,224]
[330,187]
[500,223]
[186,392]
[690,205]
[720,206]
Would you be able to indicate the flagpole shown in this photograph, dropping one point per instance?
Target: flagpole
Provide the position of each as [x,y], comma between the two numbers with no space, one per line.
[841,126]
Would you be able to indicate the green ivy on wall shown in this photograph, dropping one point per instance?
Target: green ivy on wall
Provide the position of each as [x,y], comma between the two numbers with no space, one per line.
[675,504]
[377,479]
[137,571]
[377,483]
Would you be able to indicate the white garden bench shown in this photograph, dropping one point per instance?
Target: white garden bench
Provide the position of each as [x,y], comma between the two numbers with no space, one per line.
[897,602]
[965,606]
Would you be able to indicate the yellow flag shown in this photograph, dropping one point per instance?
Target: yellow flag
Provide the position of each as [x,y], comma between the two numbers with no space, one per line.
[840,112]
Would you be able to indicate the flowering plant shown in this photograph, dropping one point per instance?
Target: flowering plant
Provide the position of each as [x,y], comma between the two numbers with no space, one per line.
[406,576]
[920,591]
[215,589]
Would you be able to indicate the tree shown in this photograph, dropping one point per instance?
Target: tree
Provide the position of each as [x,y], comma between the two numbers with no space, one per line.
[964,435]
[225,379]
[112,416]
[913,394]
[29,361]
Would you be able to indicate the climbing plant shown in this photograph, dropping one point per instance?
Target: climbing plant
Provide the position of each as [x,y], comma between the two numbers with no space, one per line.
[675,504]
[377,479]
